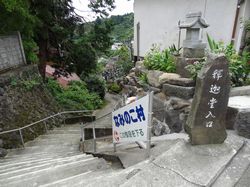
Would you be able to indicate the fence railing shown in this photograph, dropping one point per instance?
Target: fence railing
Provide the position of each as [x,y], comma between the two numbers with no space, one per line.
[44,121]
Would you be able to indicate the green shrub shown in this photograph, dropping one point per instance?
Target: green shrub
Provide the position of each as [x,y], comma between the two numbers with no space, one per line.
[75,97]
[95,84]
[30,48]
[195,68]
[114,87]
[156,59]
[124,62]
[174,51]
[239,66]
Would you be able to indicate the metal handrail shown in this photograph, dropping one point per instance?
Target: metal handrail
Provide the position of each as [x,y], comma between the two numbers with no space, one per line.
[43,120]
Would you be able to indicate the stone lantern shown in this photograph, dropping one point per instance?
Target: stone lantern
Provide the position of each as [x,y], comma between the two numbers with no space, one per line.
[192,45]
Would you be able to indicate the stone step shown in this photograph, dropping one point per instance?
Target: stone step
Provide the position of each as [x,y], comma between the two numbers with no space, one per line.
[50,174]
[60,131]
[38,158]
[60,136]
[15,171]
[35,163]
[81,179]
[107,179]
[44,148]
[33,156]
[233,172]
[58,142]
[69,127]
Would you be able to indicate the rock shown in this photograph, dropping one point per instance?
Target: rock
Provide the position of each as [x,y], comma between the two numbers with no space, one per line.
[178,91]
[166,77]
[240,91]
[1,91]
[3,152]
[154,89]
[206,121]
[159,128]
[129,90]
[173,120]
[161,96]
[186,82]
[181,63]
[140,68]
[132,74]
[153,78]
[159,108]
[231,117]
[242,123]
[178,104]
[1,143]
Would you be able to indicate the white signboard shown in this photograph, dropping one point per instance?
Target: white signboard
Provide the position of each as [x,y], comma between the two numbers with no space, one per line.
[130,123]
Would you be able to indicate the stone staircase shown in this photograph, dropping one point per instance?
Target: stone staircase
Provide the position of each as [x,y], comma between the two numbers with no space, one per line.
[50,159]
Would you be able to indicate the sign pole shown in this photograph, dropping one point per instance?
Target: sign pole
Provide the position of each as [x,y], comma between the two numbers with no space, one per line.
[151,94]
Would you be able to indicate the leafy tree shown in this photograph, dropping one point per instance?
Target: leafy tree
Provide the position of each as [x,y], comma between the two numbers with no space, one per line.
[47,23]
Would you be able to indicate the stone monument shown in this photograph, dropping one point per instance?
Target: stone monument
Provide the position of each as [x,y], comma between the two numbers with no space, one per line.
[206,121]
[193,48]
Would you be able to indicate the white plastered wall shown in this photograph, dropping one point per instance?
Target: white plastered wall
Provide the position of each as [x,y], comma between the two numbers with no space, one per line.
[159,20]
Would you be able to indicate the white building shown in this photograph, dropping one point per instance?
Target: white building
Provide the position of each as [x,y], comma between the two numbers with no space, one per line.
[156,21]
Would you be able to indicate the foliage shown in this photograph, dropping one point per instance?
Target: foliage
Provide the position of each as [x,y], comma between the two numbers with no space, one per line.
[124,59]
[95,84]
[30,50]
[143,78]
[174,51]
[16,16]
[156,59]
[239,66]
[114,87]
[53,24]
[75,97]
[247,40]
[99,36]
[195,68]
[83,56]
[123,27]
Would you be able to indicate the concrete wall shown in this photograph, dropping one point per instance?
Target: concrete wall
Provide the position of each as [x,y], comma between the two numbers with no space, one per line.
[159,20]
[11,51]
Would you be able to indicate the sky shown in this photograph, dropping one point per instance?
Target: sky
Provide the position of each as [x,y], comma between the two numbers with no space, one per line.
[122,7]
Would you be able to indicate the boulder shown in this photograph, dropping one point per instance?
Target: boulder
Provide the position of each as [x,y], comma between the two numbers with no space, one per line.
[242,123]
[178,91]
[3,152]
[159,128]
[158,108]
[153,78]
[1,91]
[172,117]
[166,77]
[140,68]
[186,82]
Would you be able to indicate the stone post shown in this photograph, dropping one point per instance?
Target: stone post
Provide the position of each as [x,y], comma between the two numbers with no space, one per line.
[206,121]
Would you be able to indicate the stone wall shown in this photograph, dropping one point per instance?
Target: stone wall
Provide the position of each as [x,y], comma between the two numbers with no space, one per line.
[11,52]
[23,99]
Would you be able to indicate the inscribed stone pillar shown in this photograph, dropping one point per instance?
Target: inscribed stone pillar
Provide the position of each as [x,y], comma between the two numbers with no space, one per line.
[206,121]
